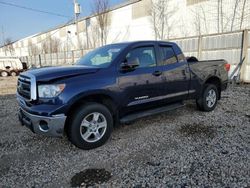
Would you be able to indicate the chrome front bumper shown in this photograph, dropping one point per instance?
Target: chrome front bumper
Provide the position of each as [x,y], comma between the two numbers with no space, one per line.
[49,126]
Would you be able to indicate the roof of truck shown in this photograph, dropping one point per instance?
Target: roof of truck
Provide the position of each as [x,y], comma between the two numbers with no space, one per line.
[145,41]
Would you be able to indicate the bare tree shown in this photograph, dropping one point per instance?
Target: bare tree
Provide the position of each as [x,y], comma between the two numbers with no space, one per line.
[101,8]
[94,36]
[200,20]
[55,45]
[45,47]
[231,16]
[161,13]
[8,46]
[121,35]
[197,23]
[51,45]
[184,31]
[243,13]
[236,3]
[218,16]
[222,16]
[32,49]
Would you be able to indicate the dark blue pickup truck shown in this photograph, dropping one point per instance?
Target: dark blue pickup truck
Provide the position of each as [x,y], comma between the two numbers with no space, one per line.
[114,84]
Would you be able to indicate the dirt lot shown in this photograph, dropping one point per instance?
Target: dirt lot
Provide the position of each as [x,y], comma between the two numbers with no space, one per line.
[8,85]
[183,148]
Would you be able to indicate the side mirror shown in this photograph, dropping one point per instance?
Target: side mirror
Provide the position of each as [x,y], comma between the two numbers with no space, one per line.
[130,65]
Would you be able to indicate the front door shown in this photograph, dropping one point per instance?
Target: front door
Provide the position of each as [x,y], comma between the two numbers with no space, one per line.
[142,85]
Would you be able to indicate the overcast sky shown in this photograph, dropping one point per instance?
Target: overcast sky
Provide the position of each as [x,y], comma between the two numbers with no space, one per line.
[18,23]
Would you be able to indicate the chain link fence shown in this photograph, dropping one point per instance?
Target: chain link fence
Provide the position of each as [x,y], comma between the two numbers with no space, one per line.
[54,59]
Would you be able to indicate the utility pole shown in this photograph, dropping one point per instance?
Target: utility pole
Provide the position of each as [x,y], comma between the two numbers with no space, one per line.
[86,28]
[3,38]
[77,11]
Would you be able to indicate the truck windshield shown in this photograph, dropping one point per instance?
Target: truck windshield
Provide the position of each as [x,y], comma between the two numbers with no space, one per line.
[101,57]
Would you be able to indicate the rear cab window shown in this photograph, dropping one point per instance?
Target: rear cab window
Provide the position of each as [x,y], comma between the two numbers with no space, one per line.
[167,55]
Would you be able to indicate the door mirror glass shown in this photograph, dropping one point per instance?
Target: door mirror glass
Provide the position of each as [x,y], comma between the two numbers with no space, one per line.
[130,64]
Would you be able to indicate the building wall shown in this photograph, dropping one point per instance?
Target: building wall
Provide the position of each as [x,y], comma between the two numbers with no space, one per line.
[133,22]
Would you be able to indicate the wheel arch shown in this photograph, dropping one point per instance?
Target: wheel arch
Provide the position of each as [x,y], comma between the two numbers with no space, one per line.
[216,81]
[100,98]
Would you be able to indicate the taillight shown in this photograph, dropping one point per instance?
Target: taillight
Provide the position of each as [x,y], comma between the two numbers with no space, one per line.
[227,67]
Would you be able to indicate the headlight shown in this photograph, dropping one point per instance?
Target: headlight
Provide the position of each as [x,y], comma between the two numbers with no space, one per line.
[50,91]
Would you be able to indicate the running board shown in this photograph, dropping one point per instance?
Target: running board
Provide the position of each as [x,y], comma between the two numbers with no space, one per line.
[134,116]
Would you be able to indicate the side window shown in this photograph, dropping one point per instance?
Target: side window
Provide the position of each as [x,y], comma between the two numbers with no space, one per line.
[181,57]
[145,56]
[168,55]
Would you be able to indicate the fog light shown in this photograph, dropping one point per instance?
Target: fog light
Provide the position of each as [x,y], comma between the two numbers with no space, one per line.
[43,126]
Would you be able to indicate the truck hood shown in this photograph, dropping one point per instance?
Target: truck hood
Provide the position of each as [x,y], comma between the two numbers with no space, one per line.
[54,73]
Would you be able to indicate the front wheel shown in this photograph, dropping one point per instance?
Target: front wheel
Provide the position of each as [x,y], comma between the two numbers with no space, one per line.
[91,126]
[208,101]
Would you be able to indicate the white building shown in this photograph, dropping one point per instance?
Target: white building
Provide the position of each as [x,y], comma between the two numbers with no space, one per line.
[133,21]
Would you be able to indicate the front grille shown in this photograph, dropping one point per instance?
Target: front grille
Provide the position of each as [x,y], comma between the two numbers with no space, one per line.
[24,87]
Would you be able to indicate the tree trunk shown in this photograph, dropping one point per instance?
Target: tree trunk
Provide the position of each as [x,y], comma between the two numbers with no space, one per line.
[234,14]
[243,14]
[221,13]
[218,16]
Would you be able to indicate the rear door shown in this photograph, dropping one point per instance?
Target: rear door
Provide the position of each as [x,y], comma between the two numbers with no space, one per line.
[175,73]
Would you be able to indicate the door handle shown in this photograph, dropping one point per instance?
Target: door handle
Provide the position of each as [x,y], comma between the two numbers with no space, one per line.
[157,73]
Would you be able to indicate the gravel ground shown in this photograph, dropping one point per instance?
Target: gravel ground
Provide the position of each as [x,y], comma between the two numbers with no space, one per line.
[182,148]
[8,85]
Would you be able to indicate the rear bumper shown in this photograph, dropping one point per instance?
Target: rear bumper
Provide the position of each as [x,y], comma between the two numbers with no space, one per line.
[49,126]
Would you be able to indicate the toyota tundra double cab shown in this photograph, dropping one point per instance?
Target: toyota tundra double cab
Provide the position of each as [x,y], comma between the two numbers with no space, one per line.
[113,84]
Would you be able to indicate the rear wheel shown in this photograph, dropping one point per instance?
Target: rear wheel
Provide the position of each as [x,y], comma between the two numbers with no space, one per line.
[4,74]
[208,101]
[13,73]
[91,126]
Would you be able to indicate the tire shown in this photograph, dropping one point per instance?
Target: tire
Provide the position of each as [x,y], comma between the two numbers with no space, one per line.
[13,73]
[4,74]
[87,121]
[208,101]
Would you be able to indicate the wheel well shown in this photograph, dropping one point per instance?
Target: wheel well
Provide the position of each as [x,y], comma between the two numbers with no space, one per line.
[97,98]
[216,81]
[16,71]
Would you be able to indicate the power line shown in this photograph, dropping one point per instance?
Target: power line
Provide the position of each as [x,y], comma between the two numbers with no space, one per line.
[34,10]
